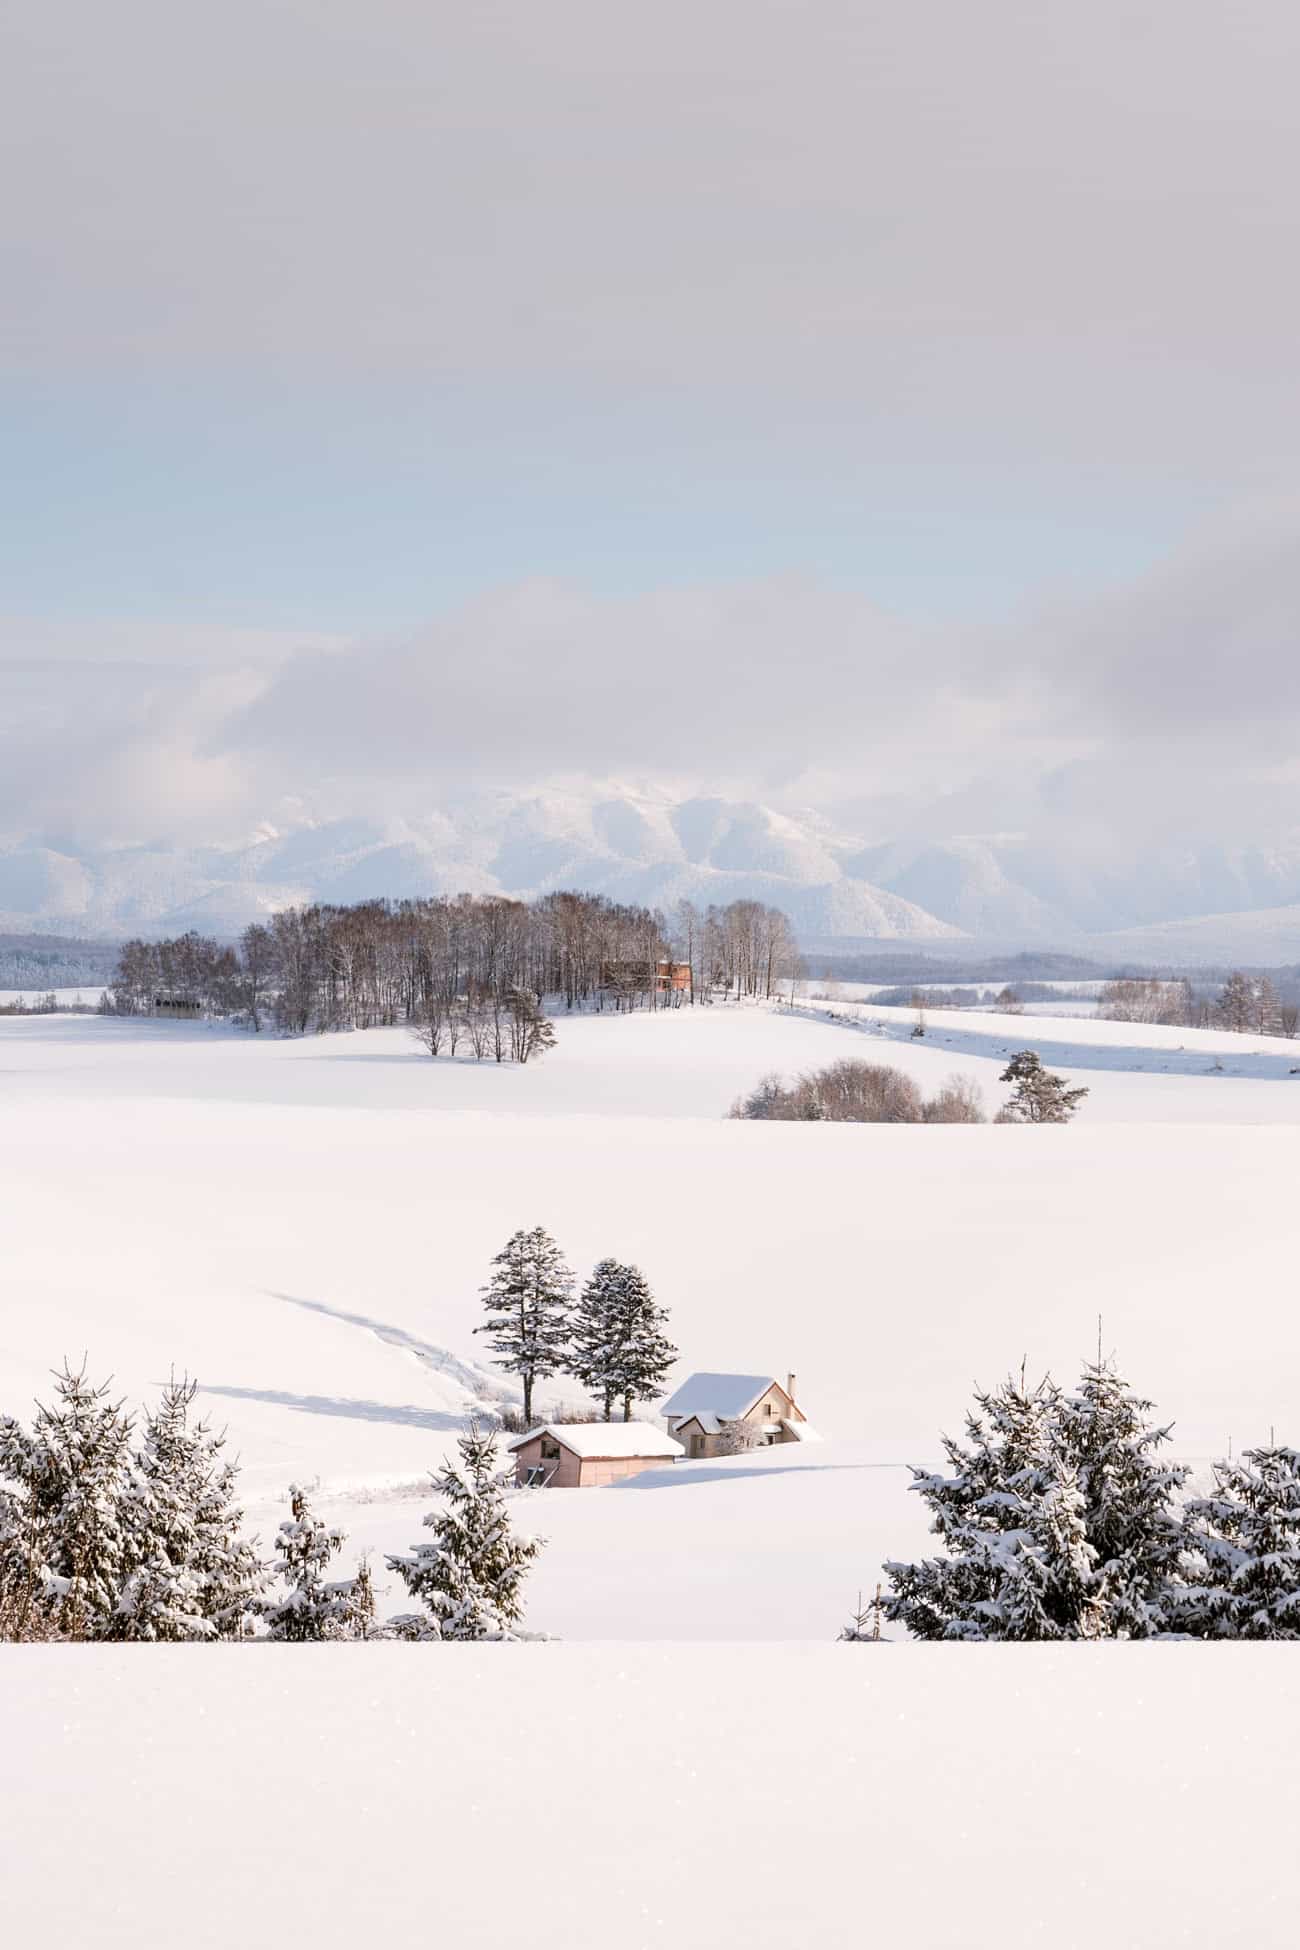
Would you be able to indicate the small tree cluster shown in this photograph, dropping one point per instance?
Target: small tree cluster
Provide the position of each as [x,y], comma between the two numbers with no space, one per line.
[309,1607]
[1039,1096]
[851,1092]
[103,1540]
[513,1027]
[612,1338]
[1060,1519]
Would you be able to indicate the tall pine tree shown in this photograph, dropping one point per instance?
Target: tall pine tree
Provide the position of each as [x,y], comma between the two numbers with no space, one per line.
[645,1354]
[1246,1540]
[620,1348]
[598,1330]
[469,1577]
[527,1301]
[195,1576]
[1130,1502]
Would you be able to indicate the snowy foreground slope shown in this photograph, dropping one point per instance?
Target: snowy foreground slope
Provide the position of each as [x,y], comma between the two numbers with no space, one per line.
[574,1798]
[304,1226]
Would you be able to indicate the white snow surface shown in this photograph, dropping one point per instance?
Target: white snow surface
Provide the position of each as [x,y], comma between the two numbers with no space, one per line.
[581,1797]
[724,1395]
[305,1226]
[607,1439]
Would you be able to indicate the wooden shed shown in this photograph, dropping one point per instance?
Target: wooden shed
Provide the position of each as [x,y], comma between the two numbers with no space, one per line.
[589,1455]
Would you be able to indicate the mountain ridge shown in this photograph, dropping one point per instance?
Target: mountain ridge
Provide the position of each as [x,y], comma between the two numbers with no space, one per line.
[659,848]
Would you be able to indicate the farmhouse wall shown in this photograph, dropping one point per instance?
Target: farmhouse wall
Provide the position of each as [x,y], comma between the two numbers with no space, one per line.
[598,1472]
[564,1474]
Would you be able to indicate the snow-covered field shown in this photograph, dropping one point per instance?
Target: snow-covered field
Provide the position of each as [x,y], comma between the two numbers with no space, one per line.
[605,1798]
[304,1225]
[87,997]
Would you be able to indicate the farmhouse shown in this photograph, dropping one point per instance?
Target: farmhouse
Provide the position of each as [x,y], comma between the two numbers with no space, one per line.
[589,1455]
[664,977]
[713,1414]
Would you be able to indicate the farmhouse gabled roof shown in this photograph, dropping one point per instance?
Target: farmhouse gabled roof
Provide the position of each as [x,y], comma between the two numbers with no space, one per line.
[599,1440]
[704,1419]
[727,1395]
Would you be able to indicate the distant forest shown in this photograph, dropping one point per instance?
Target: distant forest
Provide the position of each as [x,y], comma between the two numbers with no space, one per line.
[385,962]
[51,961]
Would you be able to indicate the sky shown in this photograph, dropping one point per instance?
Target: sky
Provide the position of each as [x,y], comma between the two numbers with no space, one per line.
[890,409]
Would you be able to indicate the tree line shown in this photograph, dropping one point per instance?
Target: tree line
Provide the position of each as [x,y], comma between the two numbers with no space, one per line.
[1248,1004]
[452,959]
[852,1092]
[1059,1518]
[110,1535]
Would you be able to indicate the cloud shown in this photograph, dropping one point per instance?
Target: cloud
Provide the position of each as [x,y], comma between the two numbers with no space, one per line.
[1169,707]
[919,226]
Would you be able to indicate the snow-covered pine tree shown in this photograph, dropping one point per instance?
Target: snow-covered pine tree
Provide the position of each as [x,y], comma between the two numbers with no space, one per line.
[310,1608]
[234,1575]
[528,1300]
[469,1576]
[645,1354]
[1018,1563]
[1130,1500]
[195,1577]
[1246,1540]
[71,1514]
[1040,1096]
[619,1348]
[162,1597]
[24,1573]
[597,1330]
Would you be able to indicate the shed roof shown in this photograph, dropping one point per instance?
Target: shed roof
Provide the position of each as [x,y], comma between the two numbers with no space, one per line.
[601,1439]
[726,1395]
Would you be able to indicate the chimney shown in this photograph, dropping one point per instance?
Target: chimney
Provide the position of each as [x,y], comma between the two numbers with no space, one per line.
[789,1385]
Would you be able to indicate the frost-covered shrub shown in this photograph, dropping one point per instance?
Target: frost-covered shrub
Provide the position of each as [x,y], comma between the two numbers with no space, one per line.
[851,1092]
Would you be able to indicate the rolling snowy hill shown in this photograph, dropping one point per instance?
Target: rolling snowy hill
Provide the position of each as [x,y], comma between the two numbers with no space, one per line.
[303,1225]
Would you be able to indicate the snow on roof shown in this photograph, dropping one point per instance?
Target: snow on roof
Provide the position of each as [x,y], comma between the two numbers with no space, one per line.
[594,1439]
[706,1419]
[801,1431]
[724,1394]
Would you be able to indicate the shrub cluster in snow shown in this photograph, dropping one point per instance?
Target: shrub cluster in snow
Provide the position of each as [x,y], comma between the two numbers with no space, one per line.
[851,1092]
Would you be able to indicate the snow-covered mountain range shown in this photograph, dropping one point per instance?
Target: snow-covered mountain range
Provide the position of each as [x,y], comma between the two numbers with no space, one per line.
[660,849]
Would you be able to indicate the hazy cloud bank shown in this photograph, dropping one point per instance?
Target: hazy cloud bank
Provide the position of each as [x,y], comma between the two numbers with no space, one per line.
[1173,703]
